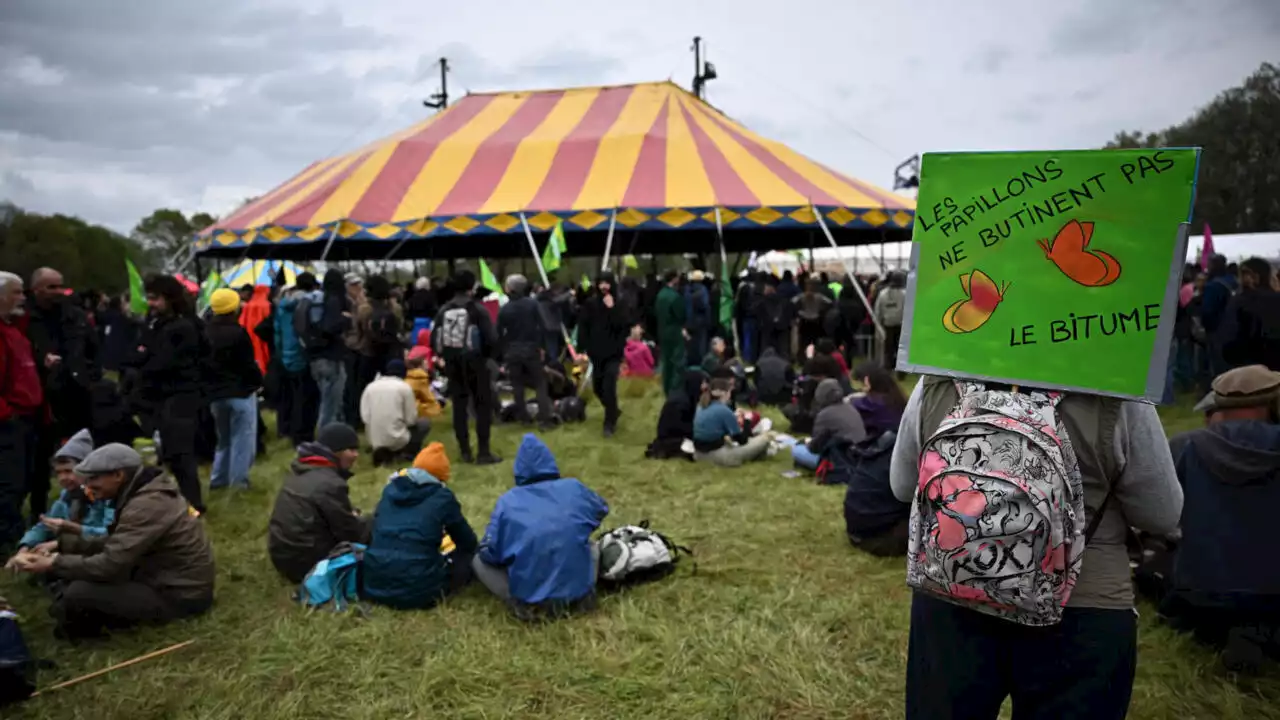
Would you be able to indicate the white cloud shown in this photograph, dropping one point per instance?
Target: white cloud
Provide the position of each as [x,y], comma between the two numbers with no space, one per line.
[114,109]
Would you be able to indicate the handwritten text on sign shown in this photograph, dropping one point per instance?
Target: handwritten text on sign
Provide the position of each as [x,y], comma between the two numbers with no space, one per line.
[1036,250]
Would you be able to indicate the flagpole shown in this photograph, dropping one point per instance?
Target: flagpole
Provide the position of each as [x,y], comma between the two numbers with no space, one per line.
[608,241]
[533,248]
[724,277]
[880,336]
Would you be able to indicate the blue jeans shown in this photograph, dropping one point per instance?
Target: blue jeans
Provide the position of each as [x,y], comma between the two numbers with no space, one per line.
[331,379]
[804,457]
[236,420]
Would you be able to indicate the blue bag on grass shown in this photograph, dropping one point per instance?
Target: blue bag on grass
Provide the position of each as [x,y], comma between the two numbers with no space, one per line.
[334,582]
[17,667]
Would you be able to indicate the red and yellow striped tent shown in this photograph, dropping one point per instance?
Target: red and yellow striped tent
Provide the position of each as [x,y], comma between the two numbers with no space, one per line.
[649,158]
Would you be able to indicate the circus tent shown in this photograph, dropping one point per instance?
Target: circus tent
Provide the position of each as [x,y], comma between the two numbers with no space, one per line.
[650,161]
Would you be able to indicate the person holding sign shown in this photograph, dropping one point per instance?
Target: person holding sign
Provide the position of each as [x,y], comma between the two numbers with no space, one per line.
[1023,460]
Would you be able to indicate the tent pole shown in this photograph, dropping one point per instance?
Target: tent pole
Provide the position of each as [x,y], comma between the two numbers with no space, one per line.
[724,273]
[328,245]
[396,249]
[857,287]
[608,241]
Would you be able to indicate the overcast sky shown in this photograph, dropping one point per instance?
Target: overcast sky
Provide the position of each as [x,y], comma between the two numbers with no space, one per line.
[109,110]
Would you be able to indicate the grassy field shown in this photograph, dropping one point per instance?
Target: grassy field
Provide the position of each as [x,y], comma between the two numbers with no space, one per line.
[781,619]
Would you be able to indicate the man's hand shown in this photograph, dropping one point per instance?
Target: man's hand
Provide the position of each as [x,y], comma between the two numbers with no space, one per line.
[38,564]
[608,301]
[46,548]
[16,562]
[50,360]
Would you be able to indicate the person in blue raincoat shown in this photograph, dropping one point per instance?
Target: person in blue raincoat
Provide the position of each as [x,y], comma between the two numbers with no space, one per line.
[537,553]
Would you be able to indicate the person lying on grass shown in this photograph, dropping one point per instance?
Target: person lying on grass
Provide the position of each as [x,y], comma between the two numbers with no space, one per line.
[73,513]
[537,554]
[313,511]
[155,565]
[718,435]
[421,546]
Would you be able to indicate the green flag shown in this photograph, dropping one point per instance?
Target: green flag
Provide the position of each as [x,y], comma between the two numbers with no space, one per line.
[211,283]
[586,282]
[726,297]
[555,248]
[488,280]
[630,261]
[137,292]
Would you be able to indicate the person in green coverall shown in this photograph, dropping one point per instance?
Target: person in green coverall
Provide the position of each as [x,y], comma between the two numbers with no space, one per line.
[670,311]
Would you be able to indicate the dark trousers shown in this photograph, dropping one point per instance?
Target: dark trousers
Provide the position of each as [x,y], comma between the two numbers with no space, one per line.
[525,369]
[351,391]
[417,435]
[300,403]
[45,442]
[892,336]
[85,609]
[178,423]
[604,380]
[961,664]
[470,387]
[17,451]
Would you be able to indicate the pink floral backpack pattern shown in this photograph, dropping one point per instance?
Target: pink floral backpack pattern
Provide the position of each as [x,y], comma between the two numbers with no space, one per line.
[997,524]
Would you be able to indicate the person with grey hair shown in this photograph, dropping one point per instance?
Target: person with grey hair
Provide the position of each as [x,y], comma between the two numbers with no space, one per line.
[520,339]
[155,565]
[21,404]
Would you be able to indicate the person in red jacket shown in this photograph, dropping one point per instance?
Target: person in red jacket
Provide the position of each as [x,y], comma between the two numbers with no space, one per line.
[21,404]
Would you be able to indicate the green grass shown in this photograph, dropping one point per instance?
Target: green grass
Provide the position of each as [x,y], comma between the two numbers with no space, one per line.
[781,620]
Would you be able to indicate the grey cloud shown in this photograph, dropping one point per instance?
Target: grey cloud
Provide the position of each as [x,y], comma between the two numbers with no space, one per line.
[989,60]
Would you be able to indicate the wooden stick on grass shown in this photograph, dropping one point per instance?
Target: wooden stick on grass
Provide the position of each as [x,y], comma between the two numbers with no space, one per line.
[117,666]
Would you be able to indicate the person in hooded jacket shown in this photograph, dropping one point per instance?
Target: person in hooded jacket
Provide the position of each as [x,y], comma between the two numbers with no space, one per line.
[313,511]
[774,378]
[537,554]
[835,423]
[154,565]
[234,377]
[675,421]
[299,394]
[421,546]
[602,332]
[1220,586]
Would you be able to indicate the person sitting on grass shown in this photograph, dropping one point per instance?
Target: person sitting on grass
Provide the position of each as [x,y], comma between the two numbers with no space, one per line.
[638,357]
[718,436]
[716,357]
[537,554]
[419,379]
[421,546]
[155,565]
[882,400]
[390,413]
[774,378]
[675,421]
[313,511]
[73,513]
[835,423]
[826,346]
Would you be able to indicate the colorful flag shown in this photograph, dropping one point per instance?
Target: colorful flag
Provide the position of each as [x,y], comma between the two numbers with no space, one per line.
[1206,250]
[630,261]
[211,283]
[488,280]
[137,291]
[555,248]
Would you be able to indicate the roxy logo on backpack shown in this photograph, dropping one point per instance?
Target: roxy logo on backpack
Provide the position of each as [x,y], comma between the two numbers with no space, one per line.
[635,554]
[997,524]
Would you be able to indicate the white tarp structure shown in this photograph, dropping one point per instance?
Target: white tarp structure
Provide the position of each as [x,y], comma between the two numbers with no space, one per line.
[1238,246]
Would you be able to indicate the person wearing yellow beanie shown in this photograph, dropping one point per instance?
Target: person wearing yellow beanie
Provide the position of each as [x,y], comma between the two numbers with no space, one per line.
[421,546]
[434,460]
[224,301]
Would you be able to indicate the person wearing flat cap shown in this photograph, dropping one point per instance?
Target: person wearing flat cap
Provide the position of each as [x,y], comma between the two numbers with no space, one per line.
[313,511]
[1222,584]
[154,565]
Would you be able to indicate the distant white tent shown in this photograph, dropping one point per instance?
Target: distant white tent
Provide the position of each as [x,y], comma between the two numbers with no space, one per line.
[1238,246]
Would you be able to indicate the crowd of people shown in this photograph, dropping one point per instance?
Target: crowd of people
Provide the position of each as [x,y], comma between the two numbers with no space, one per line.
[124,542]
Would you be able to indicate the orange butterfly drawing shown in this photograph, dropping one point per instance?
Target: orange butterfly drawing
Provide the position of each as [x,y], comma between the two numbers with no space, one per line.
[1070,251]
[982,298]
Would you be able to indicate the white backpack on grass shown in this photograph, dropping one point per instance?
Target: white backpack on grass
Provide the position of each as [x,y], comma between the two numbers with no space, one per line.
[635,554]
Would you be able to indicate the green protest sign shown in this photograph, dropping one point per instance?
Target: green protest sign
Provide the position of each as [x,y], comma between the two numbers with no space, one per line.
[1050,269]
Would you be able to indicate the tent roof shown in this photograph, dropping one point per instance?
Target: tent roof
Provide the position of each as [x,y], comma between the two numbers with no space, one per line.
[654,152]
